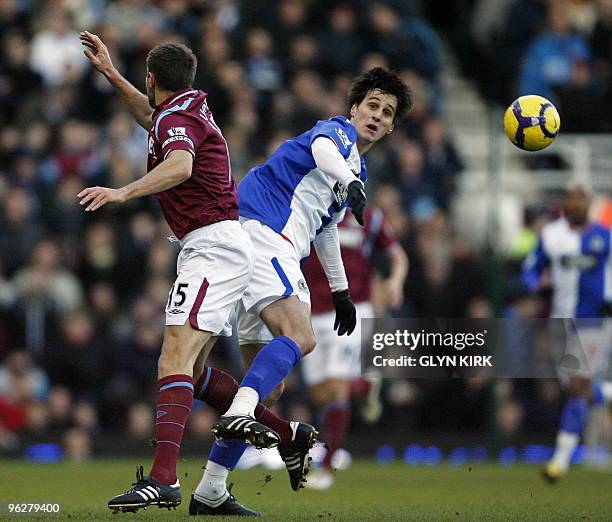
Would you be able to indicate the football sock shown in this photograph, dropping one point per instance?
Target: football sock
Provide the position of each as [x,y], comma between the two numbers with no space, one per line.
[602,393]
[212,489]
[564,449]
[335,426]
[573,420]
[359,387]
[173,407]
[269,367]
[217,389]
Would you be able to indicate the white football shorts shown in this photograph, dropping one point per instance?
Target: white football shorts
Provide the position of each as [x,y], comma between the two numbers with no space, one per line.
[277,274]
[335,357]
[213,270]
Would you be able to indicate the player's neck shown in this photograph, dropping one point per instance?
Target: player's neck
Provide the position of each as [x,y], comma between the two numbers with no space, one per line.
[161,96]
[363,147]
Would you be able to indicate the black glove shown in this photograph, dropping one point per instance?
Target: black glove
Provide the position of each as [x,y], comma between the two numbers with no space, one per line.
[346,316]
[357,200]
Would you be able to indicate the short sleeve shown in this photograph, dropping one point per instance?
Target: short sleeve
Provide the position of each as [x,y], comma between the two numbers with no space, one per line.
[342,134]
[177,131]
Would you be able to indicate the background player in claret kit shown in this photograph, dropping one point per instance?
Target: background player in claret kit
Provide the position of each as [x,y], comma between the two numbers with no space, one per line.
[189,172]
[297,197]
[329,369]
[578,255]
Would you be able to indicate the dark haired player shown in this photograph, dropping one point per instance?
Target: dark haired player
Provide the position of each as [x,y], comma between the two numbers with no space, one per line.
[297,197]
[189,172]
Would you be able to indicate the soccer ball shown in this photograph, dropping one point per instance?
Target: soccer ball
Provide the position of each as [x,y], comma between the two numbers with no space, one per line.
[531,122]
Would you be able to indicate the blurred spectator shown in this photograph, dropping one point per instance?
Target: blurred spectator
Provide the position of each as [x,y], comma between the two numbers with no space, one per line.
[20,229]
[77,444]
[46,277]
[549,60]
[341,42]
[78,360]
[56,52]
[140,421]
[18,365]
[443,164]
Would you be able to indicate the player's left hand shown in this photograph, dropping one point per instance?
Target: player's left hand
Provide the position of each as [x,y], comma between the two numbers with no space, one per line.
[357,200]
[346,315]
[97,197]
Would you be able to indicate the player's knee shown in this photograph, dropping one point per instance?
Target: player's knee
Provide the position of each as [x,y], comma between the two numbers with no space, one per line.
[174,360]
[275,395]
[306,342]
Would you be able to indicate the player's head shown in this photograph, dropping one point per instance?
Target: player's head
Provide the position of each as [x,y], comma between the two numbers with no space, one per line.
[576,205]
[170,67]
[378,98]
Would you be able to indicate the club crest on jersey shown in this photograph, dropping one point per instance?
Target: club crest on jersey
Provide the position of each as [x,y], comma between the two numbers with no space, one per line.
[177,131]
[151,145]
[343,137]
[340,193]
[302,286]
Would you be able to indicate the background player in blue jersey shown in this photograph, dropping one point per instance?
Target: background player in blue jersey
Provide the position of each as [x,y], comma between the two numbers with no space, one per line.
[294,199]
[578,256]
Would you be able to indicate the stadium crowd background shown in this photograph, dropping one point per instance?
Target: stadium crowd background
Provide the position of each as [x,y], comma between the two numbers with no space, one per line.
[82,296]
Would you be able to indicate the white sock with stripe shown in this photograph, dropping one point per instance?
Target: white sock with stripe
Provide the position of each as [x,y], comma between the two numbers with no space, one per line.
[244,402]
[564,449]
[606,391]
[212,489]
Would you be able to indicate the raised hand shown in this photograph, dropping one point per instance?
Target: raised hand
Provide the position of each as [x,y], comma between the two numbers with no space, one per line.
[97,52]
[100,196]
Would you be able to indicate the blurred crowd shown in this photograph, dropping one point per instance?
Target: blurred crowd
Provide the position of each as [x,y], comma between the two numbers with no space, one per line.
[560,49]
[82,296]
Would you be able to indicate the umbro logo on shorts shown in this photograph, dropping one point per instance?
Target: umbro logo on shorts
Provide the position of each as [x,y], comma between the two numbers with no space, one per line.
[176,311]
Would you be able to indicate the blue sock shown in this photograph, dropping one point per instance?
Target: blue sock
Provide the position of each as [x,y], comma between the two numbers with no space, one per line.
[574,415]
[596,394]
[227,452]
[271,365]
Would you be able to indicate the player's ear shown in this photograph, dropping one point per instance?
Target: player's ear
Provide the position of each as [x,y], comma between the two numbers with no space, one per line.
[353,110]
[391,129]
[150,79]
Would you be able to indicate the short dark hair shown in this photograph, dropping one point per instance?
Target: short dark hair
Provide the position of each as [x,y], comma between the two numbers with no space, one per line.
[173,65]
[385,81]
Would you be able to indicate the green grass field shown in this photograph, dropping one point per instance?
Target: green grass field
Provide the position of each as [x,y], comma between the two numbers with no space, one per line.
[364,492]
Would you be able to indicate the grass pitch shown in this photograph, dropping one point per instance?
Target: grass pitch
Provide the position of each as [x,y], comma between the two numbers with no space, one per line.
[366,491]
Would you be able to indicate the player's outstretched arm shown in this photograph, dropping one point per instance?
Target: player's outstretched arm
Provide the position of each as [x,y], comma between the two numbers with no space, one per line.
[169,173]
[327,245]
[398,264]
[136,101]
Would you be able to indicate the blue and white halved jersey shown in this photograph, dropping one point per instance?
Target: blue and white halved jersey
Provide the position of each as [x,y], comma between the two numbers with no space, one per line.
[580,262]
[289,194]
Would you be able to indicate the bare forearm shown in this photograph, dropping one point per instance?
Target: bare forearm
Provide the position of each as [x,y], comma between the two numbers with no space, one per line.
[136,101]
[168,174]
[398,261]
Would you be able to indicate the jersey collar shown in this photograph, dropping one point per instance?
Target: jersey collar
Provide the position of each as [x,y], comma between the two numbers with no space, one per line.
[174,97]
